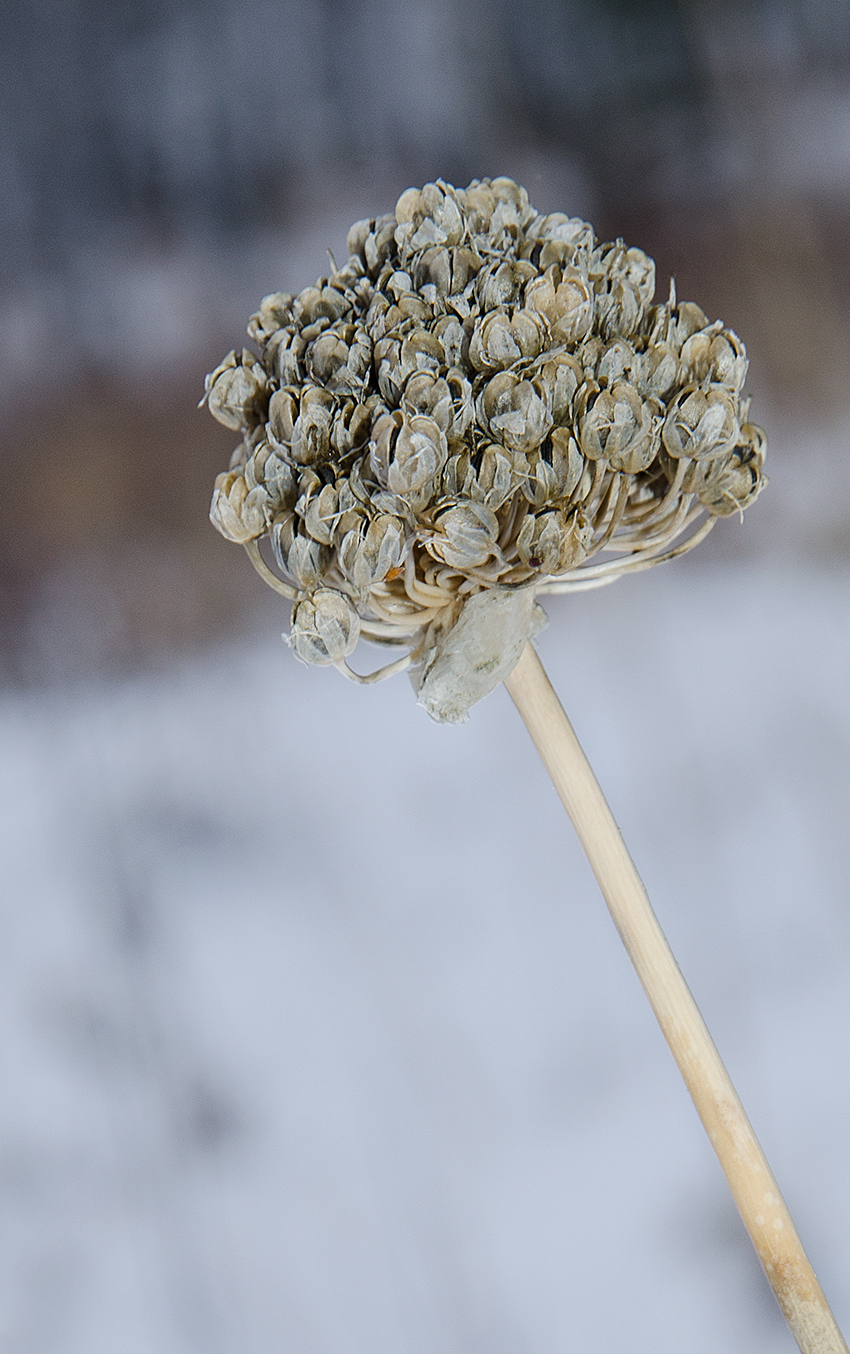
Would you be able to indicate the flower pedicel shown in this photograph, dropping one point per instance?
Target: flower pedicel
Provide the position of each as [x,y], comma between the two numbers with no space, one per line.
[482,406]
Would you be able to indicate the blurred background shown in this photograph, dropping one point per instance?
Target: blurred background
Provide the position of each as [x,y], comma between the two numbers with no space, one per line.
[315,1035]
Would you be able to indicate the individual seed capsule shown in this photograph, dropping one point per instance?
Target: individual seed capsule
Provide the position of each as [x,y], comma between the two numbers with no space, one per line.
[427,216]
[303,559]
[735,481]
[552,542]
[325,627]
[237,391]
[701,423]
[368,553]
[465,536]
[714,355]
[238,512]
[311,432]
[514,412]
[564,297]
[419,454]
[499,339]
[617,426]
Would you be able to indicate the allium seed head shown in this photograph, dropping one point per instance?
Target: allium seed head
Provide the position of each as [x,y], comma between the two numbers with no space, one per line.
[481,400]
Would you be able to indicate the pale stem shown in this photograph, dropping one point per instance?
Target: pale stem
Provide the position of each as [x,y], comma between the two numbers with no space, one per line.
[750,1179]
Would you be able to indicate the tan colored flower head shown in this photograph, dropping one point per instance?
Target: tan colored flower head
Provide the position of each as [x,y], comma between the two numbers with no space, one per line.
[481,400]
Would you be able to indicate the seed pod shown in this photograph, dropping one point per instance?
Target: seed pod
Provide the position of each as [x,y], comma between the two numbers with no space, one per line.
[410,306]
[284,356]
[372,241]
[449,333]
[552,542]
[624,284]
[419,454]
[283,411]
[367,553]
[618,426]
[735,481]
[399,284]
[265,467]
[397,358]
[339,359]
[490,477]
[463,408]
[427,393]
[714,355]
[311,432]
[617,362]
[385,430]
[701,424]
[499,340]
[656,370]
[514,413]
[427,216]
[674,324]
[465,536]
[322,302]
[351,424]
[237,391]
[448,271]
[558,380]
[512,210]
[554,469]
[558,239]
[303,559]
[275,313]
[325,627]
[456,474]
[502,283]
[239,513]
[564,297]
[478,203]
[319,512]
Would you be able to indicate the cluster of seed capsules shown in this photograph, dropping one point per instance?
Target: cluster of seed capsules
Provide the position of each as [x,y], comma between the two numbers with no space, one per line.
[481,397]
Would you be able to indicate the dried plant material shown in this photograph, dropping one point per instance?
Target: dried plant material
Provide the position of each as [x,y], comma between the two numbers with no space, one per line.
[482,398]
[473,411]
[471,647]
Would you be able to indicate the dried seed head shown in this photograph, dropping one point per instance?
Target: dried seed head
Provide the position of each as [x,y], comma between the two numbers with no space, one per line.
[478,403]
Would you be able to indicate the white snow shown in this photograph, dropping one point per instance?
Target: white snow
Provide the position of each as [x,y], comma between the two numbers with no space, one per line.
[315,1035]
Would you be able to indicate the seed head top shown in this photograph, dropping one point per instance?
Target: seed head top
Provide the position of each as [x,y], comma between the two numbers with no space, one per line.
[475,409]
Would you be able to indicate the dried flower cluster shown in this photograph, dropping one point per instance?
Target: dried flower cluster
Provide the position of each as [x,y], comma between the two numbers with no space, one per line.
[481,398]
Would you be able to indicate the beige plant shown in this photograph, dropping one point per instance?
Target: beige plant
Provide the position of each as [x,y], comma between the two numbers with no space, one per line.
[482,399]
[482,407]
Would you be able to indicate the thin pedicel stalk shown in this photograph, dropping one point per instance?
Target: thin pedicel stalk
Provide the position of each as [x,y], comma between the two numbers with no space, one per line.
[754,1189]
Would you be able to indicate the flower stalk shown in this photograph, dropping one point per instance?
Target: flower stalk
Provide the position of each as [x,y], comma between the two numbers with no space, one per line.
[754,1189]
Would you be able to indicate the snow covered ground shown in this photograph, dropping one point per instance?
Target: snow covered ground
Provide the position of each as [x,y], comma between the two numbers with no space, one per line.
[315,1035]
